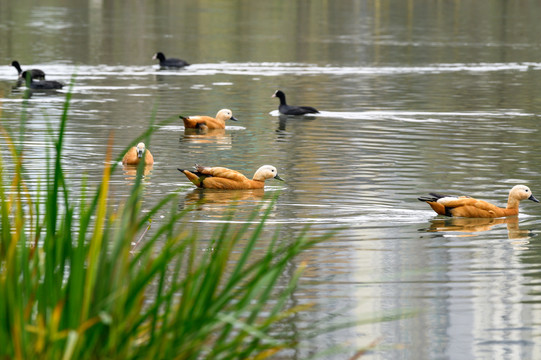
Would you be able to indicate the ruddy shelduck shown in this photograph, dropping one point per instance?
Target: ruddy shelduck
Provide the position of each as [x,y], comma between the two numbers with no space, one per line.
[227,179]
[135,155]
[207,122]
[465,206]
[286,109]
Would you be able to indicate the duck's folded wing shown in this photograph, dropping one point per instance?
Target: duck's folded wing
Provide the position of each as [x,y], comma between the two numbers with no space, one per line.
[193,121]
[451,202]
[467,207]
[223,173]
[200,118]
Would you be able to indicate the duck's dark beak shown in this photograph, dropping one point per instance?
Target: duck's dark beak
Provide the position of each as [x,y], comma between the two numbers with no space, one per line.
[533,198]
[139,153]
[233,118]
[277,177]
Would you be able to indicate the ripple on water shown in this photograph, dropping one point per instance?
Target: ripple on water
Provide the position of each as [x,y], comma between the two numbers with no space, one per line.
[85,72]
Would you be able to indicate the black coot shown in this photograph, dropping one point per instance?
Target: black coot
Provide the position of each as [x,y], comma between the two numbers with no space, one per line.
[44,84]
[35,74]
[286,109]
[169,63]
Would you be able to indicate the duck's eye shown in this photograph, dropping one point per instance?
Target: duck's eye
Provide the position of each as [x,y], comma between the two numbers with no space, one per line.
[526,190]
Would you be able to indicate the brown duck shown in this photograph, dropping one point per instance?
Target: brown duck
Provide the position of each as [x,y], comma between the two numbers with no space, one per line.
[465,206]
[207,122]
[227,179]
[135,154]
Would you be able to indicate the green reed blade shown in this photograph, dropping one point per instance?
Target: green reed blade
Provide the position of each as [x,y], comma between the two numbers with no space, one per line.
[74,286]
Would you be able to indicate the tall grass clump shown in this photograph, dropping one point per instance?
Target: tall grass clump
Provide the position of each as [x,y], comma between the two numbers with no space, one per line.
[71,286]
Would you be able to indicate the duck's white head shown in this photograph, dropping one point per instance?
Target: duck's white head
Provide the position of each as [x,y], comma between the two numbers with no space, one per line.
[522,192]
[225,114]
[266,172]
[140,149]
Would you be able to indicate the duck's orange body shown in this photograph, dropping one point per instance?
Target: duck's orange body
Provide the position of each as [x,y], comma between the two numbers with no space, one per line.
[464,206]
[135,155]
[207,122]
[227,179]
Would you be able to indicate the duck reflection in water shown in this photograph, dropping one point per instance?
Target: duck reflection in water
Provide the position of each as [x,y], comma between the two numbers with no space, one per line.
[470,226]
[206,136]
[130,171]
[212,199]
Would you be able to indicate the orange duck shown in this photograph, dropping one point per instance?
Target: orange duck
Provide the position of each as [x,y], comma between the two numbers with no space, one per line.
[227,179]
[207,122]
[135,154]
[465,206]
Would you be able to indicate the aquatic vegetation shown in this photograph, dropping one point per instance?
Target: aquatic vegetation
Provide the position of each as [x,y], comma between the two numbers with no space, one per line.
[74,286]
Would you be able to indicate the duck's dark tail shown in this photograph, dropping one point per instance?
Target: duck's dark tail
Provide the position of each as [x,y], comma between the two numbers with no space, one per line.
[195,177]
[432,197]
[196,173]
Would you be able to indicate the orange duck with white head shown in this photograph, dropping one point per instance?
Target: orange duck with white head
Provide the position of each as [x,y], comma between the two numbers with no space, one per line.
[227,179]
[135,155]
[207,122]
[465,206]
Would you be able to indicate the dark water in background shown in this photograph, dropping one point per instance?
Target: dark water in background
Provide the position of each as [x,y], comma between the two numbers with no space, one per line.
[416,96]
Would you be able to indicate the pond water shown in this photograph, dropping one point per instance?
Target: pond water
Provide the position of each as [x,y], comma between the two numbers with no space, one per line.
[414,97]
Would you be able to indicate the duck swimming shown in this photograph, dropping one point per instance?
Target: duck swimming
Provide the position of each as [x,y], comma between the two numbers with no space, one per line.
[135,154]
[286,109]
[207,122]
[227,179]
[465,206]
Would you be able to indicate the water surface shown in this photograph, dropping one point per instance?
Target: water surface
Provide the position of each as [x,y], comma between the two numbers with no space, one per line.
[413,97]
